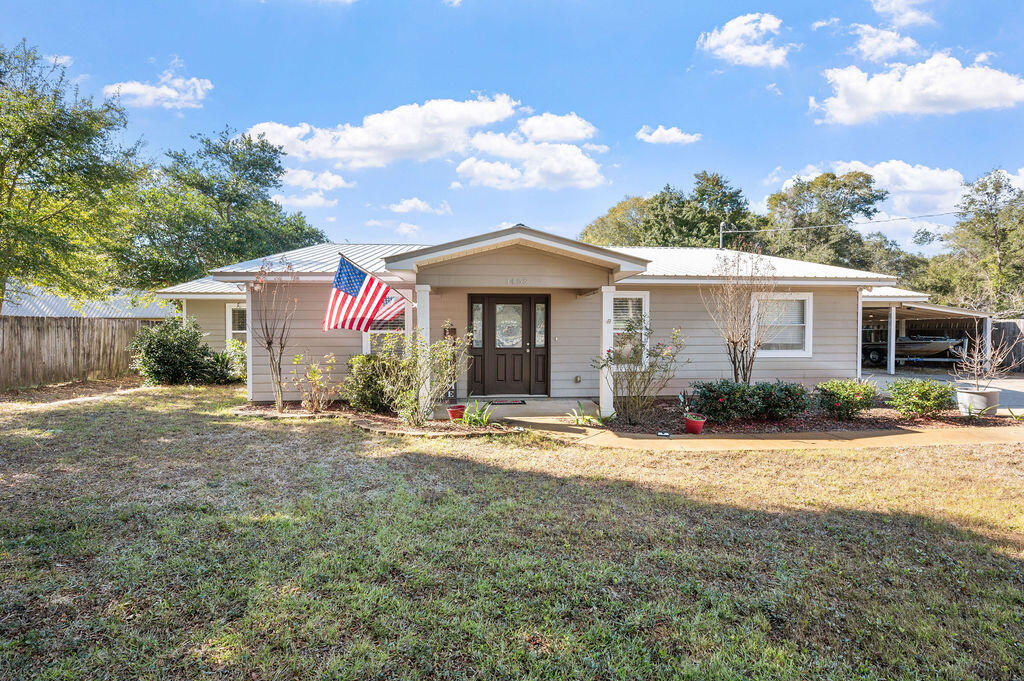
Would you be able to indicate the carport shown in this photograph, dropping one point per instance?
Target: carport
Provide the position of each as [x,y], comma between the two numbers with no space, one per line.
[899,308]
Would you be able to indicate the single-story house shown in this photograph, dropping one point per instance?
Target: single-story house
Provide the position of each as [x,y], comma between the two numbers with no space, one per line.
[541,307]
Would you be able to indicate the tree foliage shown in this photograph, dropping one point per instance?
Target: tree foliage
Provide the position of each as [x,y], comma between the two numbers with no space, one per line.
[65,181]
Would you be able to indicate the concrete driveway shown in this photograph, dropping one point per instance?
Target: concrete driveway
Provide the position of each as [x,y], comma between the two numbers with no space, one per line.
[1012,387]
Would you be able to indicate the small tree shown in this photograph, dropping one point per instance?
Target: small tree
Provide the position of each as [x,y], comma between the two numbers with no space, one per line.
[640,371]
[746,277]
[274,301]
[417,374]
[979,368]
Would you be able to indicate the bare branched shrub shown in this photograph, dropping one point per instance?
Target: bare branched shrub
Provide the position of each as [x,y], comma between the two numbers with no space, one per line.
[979,368]
[274,300]
[746,277]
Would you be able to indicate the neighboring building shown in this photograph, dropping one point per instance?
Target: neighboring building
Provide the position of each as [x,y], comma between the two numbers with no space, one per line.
[541,307]
[218,307]
[33,302]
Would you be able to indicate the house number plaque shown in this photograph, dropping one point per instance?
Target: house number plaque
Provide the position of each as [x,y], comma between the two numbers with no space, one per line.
[518,281]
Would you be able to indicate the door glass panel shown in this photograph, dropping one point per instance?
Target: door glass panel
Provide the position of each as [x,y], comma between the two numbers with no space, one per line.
[540,322]
[478,325]
[508,325]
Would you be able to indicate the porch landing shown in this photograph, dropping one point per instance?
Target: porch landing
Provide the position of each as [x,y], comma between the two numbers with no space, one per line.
[534,407]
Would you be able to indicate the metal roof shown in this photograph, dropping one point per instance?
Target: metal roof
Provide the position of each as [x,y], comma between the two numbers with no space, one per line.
[893,293]
[35,303]
[204,286]
[322,258]
[669,261]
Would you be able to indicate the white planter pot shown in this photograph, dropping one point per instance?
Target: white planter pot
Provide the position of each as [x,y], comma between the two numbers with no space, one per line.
[977,401]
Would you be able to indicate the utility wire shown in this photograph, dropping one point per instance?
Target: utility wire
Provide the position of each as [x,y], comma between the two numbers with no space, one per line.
[836,224]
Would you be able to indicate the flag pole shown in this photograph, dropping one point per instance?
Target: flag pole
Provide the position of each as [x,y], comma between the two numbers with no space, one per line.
[370,274]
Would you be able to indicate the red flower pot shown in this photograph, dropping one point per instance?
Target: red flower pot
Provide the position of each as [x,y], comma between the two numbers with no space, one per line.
[694,423]
[456,411]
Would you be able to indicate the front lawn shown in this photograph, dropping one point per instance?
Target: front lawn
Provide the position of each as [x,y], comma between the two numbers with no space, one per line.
[155,535]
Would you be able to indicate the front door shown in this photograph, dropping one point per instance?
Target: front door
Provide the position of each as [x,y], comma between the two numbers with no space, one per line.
[510,344]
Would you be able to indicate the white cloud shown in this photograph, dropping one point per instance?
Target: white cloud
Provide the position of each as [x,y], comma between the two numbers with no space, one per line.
[913,189]
[314,200]
[171,91]
[596,148]
[455,185]
[773,88]
[665,135]
[434,129]
[417,205]
[549,127]
[903,12]
[940,85]
[879,44]
[330,219]
[773,177]
[325,181]
[452,3]
[61,60]
[984,57]
[542,164]
[373,223]
[407,229]
[831,21]
[746,41]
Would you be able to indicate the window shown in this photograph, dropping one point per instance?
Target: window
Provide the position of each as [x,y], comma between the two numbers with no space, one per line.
[788,319]
[373,338]
[540,325]
[236,321]
[628,307]
[478,325]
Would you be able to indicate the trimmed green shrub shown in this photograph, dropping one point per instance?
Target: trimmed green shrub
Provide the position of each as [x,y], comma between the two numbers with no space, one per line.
[846,397]
[364,387]
[780,400]
[171,352]
[920,397]
[235,350]
[725,400]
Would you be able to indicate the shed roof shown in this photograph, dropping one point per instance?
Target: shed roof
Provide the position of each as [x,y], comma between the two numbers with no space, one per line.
[34,302]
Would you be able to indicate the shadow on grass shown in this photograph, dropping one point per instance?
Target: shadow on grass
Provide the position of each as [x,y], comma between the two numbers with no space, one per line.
[309,550]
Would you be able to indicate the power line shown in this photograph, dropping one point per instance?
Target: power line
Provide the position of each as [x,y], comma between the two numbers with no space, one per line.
[835,224]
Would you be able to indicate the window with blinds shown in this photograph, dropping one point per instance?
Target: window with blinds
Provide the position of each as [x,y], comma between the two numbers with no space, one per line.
[786,320]
[626,308]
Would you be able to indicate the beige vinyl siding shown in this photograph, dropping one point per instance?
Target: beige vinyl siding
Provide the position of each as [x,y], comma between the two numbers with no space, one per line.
[527,267]
[210,314]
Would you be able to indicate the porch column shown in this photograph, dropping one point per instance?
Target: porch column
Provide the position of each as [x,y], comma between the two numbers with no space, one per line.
[423,322]
[184,311]
[607,400]
[891,346]
[987,340]
[248,342]
[903,328]
[860,332]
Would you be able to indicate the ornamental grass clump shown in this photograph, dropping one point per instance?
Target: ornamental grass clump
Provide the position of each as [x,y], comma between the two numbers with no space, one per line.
[917,397]
[845,398]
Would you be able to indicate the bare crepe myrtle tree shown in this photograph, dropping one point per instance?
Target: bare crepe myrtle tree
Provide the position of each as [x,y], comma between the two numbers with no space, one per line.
[746,278]
[975,366]
[274,299]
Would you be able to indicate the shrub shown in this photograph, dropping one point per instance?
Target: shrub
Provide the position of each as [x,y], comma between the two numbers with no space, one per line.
[845,398]
[235,350]
[171,352]
[920,397]
[725,400]
[780,401]
[219,369]
[364,387]
[314,385]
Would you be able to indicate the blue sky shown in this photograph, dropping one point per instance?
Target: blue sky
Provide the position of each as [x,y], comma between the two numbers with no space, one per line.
[427,120]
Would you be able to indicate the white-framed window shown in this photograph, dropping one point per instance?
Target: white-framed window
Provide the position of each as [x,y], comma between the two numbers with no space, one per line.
[235,321]
[789,318]
[401,324]
[626,306]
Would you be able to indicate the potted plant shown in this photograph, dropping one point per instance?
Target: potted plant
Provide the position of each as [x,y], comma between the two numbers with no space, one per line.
[694,422]
[456,411]
[976,369]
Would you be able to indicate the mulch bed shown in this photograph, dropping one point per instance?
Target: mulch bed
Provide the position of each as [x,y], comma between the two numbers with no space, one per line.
[378,423]
[669,418]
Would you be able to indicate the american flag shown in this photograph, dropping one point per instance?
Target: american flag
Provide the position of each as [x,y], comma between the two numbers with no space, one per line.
[356,299]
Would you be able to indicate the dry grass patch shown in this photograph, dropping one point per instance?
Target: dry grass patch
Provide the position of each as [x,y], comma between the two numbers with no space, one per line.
[159,536]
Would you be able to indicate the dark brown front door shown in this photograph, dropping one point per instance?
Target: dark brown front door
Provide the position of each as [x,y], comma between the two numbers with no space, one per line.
[510,345]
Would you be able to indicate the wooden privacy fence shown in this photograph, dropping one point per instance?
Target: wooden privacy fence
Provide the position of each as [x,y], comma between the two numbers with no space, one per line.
[39,350]
[1010,331]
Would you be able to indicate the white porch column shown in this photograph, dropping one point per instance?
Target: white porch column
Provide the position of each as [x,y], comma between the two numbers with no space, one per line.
[184,311]
[607,400]
[891,345]
[987,340]
[248,342]
[423,320]
[860,332]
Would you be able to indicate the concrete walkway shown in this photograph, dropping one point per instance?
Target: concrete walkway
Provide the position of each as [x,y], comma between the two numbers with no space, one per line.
[907,437]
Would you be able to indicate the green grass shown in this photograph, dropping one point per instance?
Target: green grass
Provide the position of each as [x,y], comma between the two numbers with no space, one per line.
[153,535]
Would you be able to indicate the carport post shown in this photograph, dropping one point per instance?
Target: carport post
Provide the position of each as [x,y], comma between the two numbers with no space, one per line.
[988,340]
[891,345]
[423,326]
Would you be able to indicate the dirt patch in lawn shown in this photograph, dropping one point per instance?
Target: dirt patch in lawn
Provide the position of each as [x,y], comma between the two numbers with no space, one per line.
[668,417]
[70,390]
[381,423]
